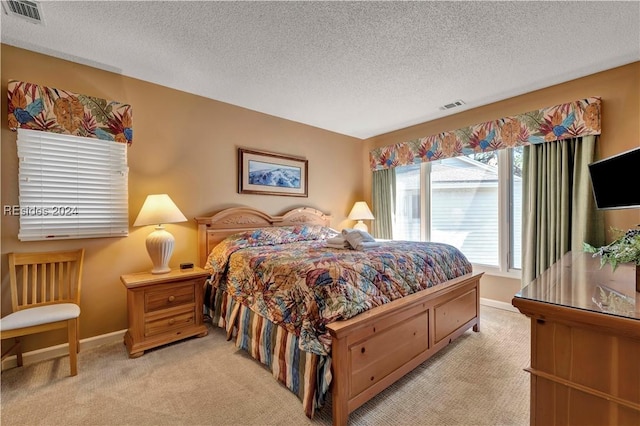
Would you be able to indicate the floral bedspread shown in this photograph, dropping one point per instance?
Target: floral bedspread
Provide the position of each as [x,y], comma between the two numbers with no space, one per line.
[291,277]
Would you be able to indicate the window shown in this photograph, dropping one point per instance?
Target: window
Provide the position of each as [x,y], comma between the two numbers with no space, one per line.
[71,187]
[515,243]
[464,205]
[406,225]
[473,202]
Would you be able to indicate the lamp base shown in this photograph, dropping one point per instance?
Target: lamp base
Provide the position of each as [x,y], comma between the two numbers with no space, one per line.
[361,226]
[160,247]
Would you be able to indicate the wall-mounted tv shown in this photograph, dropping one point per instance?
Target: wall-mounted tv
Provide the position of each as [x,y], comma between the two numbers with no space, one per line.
[616,181]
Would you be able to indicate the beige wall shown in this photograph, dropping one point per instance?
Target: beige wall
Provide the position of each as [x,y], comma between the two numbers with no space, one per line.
[619,89]
[184,145]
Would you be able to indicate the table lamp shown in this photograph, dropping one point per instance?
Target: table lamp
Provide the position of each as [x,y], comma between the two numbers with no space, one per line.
[359,212]
[159,209]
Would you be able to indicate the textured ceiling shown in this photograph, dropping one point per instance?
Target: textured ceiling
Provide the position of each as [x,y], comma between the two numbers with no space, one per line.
[356,68]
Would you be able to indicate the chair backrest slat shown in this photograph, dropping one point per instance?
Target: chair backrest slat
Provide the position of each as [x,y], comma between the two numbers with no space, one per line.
[58,274]
[61,281]
[25,279]
[34,284]
[45,278]
[69,281]
[51,281]
[46,285]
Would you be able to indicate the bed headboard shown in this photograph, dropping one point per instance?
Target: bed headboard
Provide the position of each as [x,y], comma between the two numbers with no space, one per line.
[213,229]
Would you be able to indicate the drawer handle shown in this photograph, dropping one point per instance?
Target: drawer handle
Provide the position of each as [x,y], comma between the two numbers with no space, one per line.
[172,298]
[172,321]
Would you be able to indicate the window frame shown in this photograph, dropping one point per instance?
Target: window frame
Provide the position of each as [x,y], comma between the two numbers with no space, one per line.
[505,187]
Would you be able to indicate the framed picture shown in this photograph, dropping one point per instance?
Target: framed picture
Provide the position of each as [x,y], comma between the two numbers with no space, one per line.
[271,174]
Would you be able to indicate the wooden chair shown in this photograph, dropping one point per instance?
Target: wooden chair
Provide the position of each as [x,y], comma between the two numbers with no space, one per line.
[45,295]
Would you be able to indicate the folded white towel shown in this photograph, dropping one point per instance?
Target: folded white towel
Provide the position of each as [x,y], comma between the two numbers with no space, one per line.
[364,234]
[367,245]
[339,246]
[336,240]
[356,238]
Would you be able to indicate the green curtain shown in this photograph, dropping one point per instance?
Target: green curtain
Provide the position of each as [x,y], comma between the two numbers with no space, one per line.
[384,196]
[558,208]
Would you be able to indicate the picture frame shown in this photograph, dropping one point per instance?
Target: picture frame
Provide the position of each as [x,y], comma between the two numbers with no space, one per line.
[268,173]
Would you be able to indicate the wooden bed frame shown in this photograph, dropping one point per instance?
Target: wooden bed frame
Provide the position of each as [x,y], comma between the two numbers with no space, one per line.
[376,348]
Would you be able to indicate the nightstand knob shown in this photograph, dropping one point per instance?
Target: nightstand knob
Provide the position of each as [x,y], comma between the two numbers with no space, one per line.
[172,298]
[172,321]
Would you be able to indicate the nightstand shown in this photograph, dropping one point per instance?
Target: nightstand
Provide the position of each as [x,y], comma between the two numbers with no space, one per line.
[163,308]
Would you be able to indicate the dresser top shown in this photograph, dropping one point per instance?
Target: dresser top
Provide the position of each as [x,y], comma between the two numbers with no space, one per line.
[578,281]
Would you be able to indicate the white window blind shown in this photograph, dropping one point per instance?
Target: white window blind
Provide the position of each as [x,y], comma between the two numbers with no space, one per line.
[71,187]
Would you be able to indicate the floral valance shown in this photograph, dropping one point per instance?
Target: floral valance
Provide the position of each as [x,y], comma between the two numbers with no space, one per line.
[54,110]
[574,119]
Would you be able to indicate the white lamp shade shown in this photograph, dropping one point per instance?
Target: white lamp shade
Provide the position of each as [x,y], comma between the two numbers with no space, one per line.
[361,211]
[156,210]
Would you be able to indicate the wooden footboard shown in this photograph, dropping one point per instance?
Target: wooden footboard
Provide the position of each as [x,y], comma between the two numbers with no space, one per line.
[373,350]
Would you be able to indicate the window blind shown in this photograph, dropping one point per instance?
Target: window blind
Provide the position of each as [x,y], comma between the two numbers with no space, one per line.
[71,187]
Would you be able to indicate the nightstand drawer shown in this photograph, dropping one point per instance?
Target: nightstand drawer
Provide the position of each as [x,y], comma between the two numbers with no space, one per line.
[168,295]
[174,320]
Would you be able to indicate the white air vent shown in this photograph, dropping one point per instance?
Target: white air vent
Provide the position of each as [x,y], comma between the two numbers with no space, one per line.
[28,10]
[454,104]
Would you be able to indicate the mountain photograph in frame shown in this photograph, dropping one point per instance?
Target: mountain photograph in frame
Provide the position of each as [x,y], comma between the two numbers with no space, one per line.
[269,173]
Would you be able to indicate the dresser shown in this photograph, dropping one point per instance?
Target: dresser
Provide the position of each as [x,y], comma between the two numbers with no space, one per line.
[585,343]
[163,308]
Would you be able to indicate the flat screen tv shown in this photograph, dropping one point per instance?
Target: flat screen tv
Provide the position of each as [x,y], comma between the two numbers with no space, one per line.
[616,181]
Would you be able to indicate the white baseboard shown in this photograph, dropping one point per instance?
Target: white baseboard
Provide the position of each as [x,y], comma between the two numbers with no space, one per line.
[498,304]
[62,350]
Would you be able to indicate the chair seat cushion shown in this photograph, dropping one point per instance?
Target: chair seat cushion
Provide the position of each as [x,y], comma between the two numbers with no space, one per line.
[40,315]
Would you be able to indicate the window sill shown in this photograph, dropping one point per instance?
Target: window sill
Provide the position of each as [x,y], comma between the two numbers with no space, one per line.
[515,274]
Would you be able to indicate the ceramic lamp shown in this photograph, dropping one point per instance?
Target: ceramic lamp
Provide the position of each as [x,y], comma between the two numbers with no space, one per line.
[360,212]
[159,209]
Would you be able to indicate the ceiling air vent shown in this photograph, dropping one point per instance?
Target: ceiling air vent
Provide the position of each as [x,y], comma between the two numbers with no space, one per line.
[454,104]
[29,10]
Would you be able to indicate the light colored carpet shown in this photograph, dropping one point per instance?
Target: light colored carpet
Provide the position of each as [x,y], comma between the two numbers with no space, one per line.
[476,380]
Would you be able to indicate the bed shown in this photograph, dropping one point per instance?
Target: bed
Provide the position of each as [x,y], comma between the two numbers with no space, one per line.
[366,353]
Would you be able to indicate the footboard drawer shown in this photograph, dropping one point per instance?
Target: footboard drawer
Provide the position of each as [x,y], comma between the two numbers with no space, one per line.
[454,313]
[384,352]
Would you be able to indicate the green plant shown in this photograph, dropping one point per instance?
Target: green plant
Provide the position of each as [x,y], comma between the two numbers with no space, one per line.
[625,249]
